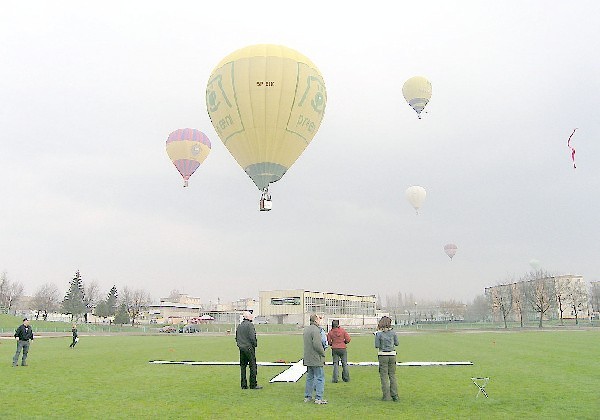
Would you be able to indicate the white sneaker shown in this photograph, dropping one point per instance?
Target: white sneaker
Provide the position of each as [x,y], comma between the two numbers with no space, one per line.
[320,401]
[307,399]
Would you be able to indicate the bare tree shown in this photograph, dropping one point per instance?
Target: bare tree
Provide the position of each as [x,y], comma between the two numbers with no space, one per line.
[595,296]
[478,310]
[519,300]
[540,293]
[3,288]
[91,296]
[174,295]
[10,292]
[135,301]
[561,291]
[451,309]
[46,299]
[578,298]
[501,300]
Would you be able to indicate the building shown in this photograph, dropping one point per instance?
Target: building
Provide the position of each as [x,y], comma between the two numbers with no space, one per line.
[177,308]
[566,296]
[296,306]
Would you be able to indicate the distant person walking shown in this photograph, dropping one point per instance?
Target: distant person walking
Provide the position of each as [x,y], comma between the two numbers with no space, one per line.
[75,336]
[245,338]
[24,336]
[314,360]
[386,341]
[337,338]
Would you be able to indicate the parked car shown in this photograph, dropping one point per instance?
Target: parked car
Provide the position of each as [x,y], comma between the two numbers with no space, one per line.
[190,328]
[168,329]
[261,320]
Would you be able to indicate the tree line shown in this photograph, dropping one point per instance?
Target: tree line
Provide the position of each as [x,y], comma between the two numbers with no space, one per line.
[535,295]
[81,299]
[541,293]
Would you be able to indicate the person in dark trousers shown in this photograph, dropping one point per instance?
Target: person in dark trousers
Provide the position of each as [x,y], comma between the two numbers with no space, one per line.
[75,336]
[245,338]
[24,336]
[337,338]
[386,341]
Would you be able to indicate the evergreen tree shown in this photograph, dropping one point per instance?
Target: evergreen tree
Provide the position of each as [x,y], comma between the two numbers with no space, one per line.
[122,317]
[101,309]
[73,302]
[111,301]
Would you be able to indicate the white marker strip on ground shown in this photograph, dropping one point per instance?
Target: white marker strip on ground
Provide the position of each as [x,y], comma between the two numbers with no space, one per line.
[292,374]
[184,362]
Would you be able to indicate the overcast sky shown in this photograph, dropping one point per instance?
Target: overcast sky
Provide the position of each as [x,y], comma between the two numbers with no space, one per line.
[89,92]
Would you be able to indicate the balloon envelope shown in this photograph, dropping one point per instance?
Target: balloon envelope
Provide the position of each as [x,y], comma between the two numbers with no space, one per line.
[187,148]
[416,196]
[266,103]
[535,264]
[450,250]
[417,92]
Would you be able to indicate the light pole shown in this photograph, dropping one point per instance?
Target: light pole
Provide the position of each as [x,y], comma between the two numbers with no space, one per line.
[416,314]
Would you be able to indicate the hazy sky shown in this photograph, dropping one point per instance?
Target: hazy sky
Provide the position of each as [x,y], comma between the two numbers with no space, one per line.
[89,92]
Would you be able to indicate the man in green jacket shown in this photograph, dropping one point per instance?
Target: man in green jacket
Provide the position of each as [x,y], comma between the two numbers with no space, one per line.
[314,360]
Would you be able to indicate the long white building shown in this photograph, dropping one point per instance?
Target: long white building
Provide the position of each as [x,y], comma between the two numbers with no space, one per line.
[295,307]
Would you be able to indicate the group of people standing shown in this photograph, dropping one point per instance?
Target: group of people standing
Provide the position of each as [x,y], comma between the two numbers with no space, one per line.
[316,341]
[24,336]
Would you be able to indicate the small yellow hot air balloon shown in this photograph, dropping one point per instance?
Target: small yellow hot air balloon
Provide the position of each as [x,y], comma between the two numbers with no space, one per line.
[266,103]
[417,92]
[187,148]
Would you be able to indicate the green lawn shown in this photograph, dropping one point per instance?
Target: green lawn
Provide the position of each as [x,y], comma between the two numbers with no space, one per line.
[534,374]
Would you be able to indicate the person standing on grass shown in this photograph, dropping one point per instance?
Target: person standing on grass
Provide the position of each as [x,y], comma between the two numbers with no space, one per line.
[75,336]
[386,341]
[24,336]
[245,338]
[337,338]
[314,360]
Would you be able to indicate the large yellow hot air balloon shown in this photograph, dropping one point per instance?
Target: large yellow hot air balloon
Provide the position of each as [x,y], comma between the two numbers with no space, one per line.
[417,92]
[266,103]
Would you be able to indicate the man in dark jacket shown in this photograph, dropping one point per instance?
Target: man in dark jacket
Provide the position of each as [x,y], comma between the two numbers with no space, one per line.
[75,336]
[24,336]
[314,360]
[245,337]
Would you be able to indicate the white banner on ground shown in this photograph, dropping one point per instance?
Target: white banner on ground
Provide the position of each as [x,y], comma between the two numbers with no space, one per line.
[292,374]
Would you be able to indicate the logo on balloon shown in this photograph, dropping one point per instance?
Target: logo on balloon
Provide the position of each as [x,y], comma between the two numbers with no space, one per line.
[213,92]
[318,100]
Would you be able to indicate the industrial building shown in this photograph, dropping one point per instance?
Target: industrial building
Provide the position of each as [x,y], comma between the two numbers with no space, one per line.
[296,306]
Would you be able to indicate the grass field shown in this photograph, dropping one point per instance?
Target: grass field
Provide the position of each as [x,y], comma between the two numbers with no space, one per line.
[534,374]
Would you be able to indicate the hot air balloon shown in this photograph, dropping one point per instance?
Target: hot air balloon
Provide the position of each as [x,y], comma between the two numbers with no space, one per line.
[417,92]
[266,103]
[450,250]
[416,196]
[535,264]
[187,148]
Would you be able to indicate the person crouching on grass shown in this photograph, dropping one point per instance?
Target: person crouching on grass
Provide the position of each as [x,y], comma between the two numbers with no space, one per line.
[386,340]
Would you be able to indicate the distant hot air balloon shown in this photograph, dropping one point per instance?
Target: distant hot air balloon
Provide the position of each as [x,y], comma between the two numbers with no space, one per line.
[266,103]
[417,92]
[187,148]
[416,196]
[450,250]
[535,264]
